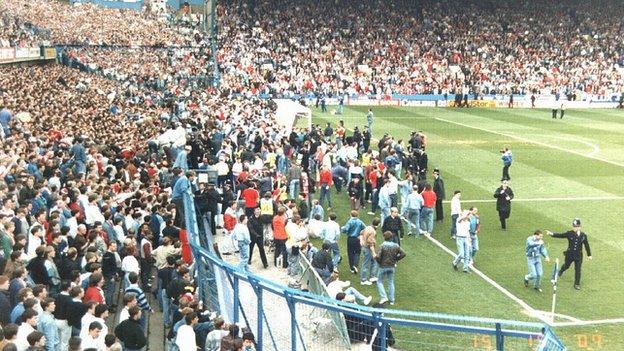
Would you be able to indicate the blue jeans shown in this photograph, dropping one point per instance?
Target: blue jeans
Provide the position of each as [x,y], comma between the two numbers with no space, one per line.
[463,252]
[454,224]
[243,250]
[325,192]
[426,219]
[375,200]
[353,251]
[535,270]
[413,215]
[386,273]
[335,250]
[294,188]
[80,167]
[369,267]
[109,290]
[324,273]
[474,245]
[166,306]
[353,292]
[385,212]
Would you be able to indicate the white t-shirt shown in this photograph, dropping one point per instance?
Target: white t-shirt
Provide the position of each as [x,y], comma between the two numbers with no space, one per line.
[23,331]
[130,264]
[124,314]
[185,338]
[455,206]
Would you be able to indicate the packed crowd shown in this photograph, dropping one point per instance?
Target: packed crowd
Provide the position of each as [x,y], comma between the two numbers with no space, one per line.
[68,24]
[15,33]
[379,48]
[90,208]
[173,69]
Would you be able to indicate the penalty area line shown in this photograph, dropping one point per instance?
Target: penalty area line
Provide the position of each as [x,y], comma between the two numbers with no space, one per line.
[548,199]
[532,142]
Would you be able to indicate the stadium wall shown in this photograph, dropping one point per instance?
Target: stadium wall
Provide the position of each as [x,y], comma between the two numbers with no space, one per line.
[16,55]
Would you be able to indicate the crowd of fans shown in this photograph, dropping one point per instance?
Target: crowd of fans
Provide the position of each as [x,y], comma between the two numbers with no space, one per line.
[88,24]
[383,47]
[15,33]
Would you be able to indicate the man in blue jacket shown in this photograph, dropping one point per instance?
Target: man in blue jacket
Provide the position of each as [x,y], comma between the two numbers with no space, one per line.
[507,159]
[534,251]
[353,228]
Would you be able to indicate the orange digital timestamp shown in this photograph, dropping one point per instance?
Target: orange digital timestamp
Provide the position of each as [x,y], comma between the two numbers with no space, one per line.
[583,341]
[589,341]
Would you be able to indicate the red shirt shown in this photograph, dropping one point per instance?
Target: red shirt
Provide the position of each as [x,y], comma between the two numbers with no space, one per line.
[325,178]
[93,293]
[251,197]
[279,228]
[429,197]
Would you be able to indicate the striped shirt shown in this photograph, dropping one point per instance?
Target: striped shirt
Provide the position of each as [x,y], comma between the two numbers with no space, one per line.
[140,296]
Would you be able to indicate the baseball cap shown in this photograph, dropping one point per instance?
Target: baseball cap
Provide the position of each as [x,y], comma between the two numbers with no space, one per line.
[576,222]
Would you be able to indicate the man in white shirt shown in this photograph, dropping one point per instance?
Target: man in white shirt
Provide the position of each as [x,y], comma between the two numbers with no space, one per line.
[462,238]
[92,211]
[94,338]
[129,264]
[336,286]
[185,338]
[29,322]
[330,233]
[213,340]
[129,301]
[87,319]
[455,212]
[72,223]
[35,238]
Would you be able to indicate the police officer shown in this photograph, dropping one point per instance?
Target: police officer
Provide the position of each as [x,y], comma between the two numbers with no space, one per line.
[503,196]
[574,253]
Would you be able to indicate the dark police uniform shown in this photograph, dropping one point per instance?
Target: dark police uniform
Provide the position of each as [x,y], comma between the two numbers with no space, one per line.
[503,205]
[574,253]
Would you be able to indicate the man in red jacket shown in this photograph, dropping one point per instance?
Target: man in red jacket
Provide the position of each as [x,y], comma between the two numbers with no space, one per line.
[325,182]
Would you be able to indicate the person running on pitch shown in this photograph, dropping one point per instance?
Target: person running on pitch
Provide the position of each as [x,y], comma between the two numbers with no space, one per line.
[535,250]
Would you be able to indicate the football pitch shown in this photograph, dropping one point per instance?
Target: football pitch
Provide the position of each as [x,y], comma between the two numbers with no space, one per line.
[563,168]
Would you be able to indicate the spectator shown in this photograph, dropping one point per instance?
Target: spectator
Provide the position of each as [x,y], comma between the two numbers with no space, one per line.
[130,332]
[389,254]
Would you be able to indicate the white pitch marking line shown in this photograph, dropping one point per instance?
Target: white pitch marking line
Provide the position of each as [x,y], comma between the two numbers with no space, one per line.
[595,147]
[548,199]
[594,322]
[492,282]
[532,142]
[563,316]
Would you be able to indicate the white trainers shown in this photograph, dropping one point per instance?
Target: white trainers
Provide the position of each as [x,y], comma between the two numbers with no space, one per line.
[371,213]
[373,280]
[382,301]
[392,303]
[368,300]
[366,282]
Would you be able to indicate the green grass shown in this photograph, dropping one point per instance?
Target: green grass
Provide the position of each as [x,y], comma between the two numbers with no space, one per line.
[549,162]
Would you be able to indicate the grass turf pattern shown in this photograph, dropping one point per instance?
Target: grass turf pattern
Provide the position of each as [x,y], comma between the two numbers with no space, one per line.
[570,160]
